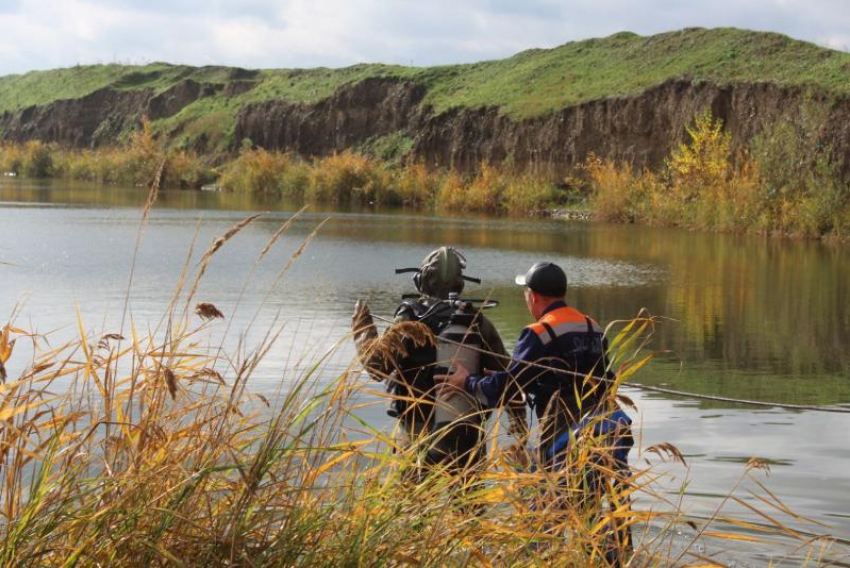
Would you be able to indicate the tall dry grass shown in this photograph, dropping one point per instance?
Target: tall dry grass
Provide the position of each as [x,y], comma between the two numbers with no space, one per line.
[491,190]
[259,171]
[529,195]
[127,448]
[32,159]
[349,176]
[135,163]
[156,453]
[416,185]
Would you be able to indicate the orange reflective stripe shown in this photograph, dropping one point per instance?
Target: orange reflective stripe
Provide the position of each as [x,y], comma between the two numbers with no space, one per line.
[537,328]
[563,315]
[563,320]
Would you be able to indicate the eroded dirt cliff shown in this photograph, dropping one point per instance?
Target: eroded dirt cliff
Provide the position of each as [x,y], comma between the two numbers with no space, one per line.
[353,115]
[640,129]
[102,117]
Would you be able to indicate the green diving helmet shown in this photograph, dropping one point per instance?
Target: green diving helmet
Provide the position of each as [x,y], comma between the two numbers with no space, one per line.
[440,273]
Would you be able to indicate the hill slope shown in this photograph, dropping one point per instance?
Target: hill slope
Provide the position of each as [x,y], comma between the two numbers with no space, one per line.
[638,90]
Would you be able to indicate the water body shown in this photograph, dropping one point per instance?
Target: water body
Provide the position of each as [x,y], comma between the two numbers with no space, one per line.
[743,316]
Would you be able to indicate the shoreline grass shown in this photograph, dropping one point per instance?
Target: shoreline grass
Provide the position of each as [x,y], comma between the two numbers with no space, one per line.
[784,184]
[179,464]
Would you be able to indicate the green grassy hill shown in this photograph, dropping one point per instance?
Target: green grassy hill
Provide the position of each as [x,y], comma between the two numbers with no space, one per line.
[531,83]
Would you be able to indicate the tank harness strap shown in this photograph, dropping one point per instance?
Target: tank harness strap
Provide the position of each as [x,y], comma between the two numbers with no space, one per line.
[551,331]
[589,325]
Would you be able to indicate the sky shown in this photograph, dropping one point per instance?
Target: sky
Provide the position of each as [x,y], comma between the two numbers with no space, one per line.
[45,34]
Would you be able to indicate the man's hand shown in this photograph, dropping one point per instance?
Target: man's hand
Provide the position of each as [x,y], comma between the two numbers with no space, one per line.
[448,385]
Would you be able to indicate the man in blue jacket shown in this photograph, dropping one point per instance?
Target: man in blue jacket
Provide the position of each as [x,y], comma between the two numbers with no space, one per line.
[559,365]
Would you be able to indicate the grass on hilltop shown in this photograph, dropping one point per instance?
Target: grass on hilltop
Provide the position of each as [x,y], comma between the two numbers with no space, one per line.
[531,83]
[42,87]
[541,81]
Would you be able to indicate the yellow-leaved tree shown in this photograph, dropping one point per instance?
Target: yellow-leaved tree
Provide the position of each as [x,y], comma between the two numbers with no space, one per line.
[701,166]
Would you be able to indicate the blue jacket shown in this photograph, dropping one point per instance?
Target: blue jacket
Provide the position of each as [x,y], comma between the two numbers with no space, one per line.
[563,338]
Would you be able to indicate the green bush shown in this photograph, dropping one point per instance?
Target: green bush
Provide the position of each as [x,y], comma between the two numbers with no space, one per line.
[38,160]
[803,190]
[528,195]
[349,176]
[270,173]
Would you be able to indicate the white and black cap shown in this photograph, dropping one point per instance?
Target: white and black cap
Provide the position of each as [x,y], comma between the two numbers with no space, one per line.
[545,278]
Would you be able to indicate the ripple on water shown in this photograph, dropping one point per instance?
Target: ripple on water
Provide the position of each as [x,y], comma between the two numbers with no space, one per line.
[746,459]
[583,272]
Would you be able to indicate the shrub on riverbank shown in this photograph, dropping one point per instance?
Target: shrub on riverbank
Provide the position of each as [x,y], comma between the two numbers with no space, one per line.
[349,177]
[337,178]
[33,159]
[492,190]
[137,163]
[785,184]
[529,195]
[417,186]
[259,171]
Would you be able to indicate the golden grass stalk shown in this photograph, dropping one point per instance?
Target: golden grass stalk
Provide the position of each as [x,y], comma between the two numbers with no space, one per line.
[281,231]
[216,245]
[152,194]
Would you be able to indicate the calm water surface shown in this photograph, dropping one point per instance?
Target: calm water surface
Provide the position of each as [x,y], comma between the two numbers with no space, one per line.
[745,316]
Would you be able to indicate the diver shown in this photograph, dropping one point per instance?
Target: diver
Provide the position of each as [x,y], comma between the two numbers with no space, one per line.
[432,329]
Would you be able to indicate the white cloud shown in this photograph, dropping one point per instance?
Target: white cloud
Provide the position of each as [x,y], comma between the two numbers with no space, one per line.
[38,34]
[841,42]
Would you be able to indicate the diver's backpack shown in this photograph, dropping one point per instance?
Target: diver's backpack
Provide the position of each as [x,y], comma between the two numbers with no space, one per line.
[415,377]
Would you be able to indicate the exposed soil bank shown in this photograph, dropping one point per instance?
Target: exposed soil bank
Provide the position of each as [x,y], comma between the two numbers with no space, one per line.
[641,130]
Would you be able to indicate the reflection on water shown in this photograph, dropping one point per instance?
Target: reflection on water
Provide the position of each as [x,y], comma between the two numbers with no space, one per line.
[748,317]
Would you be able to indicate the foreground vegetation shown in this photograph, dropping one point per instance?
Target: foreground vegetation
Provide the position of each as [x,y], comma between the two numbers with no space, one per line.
[122,448]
